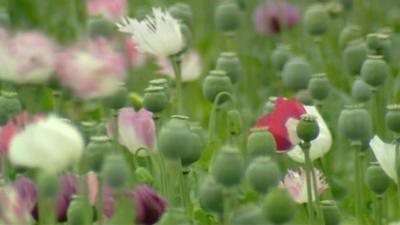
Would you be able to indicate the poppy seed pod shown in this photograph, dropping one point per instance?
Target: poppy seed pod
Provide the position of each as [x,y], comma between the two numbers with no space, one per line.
[193,153]
[354,56]
[115,171]
[119,99]
[330,212]
[296,74]
[319,87]
[249,215]
[279,207]
[280,56]
[234,122]
[374,70]
[79,211]
[161,82]
[361,91]
[182,12]
[380,44]
[228,166]
[392,118]
[227,16]
[269,105]
[96,150]
[100,26]
[155,99]
[316,20]
[211,196]
[171,135]
[394,19]
[263,174]
[355,123]
[304,97]
[348,34]
[260,142]
[9,106]
[376,179]
[307,129]
[215,83]
[230,63]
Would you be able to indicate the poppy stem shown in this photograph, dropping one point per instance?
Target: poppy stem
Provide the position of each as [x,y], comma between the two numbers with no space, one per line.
[100,205]
[305,146]
[397,162]
[379,199]
[357,165]
[176,64]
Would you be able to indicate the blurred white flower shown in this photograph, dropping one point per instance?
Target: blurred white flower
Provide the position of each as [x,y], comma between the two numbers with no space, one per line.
[320,146]
[13,208]
[296,185]
[191,66]
[386,156]
[159,34]
[50,144]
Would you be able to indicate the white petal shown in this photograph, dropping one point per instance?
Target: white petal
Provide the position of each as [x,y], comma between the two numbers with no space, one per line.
[386,156]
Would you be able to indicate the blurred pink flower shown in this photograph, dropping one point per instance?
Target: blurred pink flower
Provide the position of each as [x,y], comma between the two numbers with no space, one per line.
[136,58]
[13,210]
[95,70]
[191,66]
[111,9]
[296,185]
[275,17]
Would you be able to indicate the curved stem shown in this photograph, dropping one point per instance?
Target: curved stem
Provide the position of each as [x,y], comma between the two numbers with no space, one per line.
[176,64]
[306,149]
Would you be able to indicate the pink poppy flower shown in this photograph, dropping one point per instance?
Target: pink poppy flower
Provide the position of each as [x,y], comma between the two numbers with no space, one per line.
[111,9]
[136,58]
[275,17]
[14,209]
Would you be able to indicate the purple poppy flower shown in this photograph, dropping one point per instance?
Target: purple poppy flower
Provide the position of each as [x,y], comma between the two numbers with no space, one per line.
[149,205]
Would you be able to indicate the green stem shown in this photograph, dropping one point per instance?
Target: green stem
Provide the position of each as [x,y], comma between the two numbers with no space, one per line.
[176,64]
[100,201]
[320,218]
[227,206]
[306,149]
[361,156]
[186,194]
[397,154]
[379,214]
[57,101]
[358,179]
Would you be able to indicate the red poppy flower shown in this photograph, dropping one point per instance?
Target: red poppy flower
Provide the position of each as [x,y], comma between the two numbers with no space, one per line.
[282,122]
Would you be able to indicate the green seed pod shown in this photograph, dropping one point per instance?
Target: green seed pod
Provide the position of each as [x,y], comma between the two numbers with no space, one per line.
[215,83]
[307,129]
[143,176]
[355,123]
[296,74]
[230,63]
[155,99]
[319,87]
[280,56]
[187,35]
[79,211]
[316,20]
[304,97]
[260,142]
[347,4]
[192,154]
[211,196]
[227,16]
[100,26]
[279,207]
[116,171]
[361,91]
[161,82]
[182,12]
[394,19]
[348,34]
[376,179]
[48,184]
[249,215]
[330,212]
[228,166]
[334,9]
[119,99]
[380,44]
[263,174]
[373,41]
[374,70]
[96,150]
[9,106]
[235,123]
[88,129]
[392,118]
[354,56]
[171,136]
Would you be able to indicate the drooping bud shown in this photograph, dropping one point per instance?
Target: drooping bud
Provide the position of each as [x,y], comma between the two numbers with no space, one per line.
[376,179]
[348,34]
[354,56]
[96,150]
[330,212]
[228,167]
[136,100]
[227,16]
[374,70]
[155,99]
[296,74]
[79,211]
[280,56]
[319,87]
[307,129]
[392,118]
[260,142]
[230,63]
[278,206]
[182,12]
[211,196]
[316,20]
[249,215]
[355,123]
[116,171]
[361,91]
[263,174]
[9,106]
[216,82]
[235,124]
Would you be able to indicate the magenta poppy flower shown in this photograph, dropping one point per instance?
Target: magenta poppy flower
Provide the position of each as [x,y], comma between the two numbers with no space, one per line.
[275,17]
[282,122]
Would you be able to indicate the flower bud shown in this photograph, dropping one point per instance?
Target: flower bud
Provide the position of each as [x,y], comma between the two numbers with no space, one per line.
[230,63]
[376,178]
[96,150]
[304,97]
[307,129]
[269,105]
[263,174]
[296,74]
[215,83]
[280,56]
[136,100]
[260,142]
[361,91]
[115,171]
[374,70]
[330,212]
[161,82]
[143,176]
[234,122]
[354,56]
[227,16]
[249,215]
[79,211]
[316,20]
[100,26]
[211,196]
[319,87]
[355,123]
[278,206]
[348,34]
[48,185]
[228,166]
[155,99]
[9,106]
[182,12]
[119,99]
[392,118]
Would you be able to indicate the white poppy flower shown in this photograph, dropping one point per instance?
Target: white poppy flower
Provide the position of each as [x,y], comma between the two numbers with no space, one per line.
[386,156]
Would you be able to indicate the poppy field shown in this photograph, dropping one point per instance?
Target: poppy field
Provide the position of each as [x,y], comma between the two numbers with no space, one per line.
[199,112]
